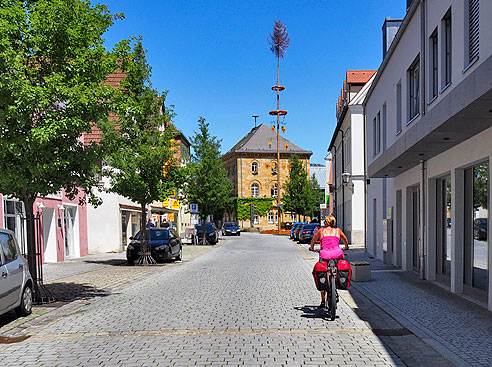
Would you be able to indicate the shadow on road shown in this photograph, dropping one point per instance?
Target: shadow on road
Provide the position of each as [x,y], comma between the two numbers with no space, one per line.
[68,292]
[314,312]
[114,262]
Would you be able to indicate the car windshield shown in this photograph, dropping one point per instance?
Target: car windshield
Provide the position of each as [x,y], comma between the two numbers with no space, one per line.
[155,235]
[209,227]
[309,226]
[230,224]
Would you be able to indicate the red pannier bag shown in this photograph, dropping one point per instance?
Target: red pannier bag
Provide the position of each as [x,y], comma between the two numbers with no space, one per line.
[344,274]
[320,275]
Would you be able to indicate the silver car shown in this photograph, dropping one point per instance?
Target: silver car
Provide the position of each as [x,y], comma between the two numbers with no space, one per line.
[15,280]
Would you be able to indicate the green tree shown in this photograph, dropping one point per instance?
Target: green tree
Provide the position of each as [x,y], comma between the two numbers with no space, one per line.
[141,165]
[315,197]
[53,66]
[296,194]
[207,181]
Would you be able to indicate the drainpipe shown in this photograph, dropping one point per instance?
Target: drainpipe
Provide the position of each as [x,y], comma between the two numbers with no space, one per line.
[422,220]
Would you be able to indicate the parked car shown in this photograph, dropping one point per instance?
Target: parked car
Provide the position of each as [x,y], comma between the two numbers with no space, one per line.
[211,234]
[307,232]
[15,279]
[480,229]
[164,243]
[294,228]
[297,231]
[230,228]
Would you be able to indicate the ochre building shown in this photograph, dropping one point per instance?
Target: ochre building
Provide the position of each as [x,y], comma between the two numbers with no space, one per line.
[252,166]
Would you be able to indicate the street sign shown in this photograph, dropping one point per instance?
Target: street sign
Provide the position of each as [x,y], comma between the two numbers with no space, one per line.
[174,204]
[194,208]
[322,206]
[280,204]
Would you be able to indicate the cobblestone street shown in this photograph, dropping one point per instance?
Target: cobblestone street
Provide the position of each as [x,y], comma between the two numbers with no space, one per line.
[248,302]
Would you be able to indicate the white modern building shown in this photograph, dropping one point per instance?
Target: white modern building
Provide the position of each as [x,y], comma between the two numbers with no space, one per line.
[347,149]
[428,127]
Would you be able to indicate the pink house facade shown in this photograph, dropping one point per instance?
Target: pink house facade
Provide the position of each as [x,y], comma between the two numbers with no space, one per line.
[63,225]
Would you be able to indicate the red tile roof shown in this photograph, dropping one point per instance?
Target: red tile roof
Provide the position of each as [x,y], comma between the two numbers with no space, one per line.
[359,76]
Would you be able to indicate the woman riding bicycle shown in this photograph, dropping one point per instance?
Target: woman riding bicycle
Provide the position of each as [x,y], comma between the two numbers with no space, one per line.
[329,238]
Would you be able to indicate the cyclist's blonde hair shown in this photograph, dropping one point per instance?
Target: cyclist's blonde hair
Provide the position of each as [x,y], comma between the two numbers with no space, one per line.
[331,221]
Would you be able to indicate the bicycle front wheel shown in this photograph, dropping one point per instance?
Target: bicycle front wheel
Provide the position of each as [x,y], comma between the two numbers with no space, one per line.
[333,298]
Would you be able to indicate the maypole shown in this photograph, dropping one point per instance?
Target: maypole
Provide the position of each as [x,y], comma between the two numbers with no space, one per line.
[279,41]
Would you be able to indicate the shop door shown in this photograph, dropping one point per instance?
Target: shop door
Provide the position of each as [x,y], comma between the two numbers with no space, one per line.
[68,222]
[476,265]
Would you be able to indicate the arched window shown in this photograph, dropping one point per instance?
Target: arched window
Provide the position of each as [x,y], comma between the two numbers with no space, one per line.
[274,168]
[255,219]
[255,190]
[270,218]
[274,190]
[254,168]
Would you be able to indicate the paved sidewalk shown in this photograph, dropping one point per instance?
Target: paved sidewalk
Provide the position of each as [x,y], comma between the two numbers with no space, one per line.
[76,282]
[452,326]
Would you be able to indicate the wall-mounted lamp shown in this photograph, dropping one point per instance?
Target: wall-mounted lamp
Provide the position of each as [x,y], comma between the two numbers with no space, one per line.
[347,181]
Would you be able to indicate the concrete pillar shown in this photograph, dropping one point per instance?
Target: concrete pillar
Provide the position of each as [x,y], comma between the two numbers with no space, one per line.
[431,216]
[457,229]
[408,231]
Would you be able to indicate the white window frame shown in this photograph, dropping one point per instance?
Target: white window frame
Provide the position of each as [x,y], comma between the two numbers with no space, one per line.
[433,66]
[254,168]
[446,50]
[274,190]
[414,89]
[270,218]
[255,219]
[255,190]
[398,108]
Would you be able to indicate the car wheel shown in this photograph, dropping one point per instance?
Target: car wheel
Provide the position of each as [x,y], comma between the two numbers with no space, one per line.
[25,307]
[180,255]
[130,262]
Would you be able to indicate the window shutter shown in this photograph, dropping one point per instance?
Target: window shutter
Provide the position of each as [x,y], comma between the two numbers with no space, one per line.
[473,27]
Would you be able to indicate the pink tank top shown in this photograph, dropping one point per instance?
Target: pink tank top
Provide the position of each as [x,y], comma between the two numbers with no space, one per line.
[329,244]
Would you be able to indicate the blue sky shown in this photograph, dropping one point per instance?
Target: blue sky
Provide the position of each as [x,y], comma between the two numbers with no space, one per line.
[214,58]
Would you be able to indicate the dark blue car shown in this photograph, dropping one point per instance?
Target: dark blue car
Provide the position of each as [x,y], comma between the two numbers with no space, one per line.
[230,228]
[211,234]
[164,243]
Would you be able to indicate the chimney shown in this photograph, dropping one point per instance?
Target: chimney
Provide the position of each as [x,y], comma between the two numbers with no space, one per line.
[390,27]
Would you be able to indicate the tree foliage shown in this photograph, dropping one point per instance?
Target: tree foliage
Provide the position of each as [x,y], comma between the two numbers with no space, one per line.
[296,189]
[207,181]
[52,70]
[141,164]
[315,197]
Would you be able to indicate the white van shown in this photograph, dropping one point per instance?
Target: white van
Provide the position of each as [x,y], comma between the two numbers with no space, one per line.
[15,280]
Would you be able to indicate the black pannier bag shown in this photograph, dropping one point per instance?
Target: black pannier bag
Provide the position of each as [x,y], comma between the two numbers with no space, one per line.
[320,275]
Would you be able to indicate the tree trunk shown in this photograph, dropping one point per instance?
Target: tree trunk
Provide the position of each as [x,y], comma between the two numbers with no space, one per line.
[146,257]
[28,201]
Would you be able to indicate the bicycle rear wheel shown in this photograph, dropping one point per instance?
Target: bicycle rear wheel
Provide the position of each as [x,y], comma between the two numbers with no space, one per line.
[333,298]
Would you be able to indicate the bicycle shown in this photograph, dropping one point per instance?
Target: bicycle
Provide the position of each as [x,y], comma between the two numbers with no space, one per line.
[332,297]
